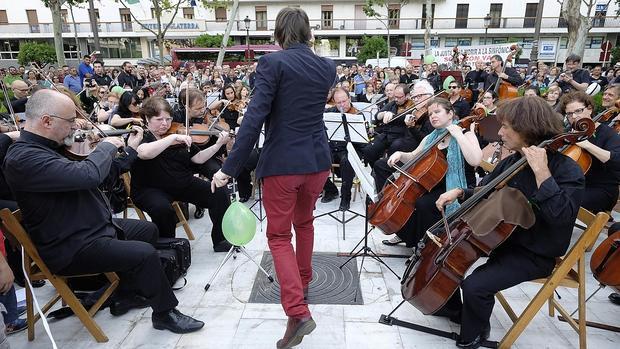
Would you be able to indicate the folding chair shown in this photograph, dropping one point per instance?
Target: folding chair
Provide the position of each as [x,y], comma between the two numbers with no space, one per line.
[37,270]
[565,275]
[175,205]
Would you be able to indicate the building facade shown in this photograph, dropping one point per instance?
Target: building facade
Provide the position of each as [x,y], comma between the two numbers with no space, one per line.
[338,26]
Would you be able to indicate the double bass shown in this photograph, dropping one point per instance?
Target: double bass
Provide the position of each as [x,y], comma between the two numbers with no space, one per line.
[439,265]
[504,89]
[418,176]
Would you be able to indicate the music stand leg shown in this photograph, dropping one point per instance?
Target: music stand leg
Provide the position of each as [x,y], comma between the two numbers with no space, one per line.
[259,201]
[243,250]
[230,253]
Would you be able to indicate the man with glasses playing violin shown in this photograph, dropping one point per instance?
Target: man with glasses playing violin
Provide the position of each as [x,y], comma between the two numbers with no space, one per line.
[71,223]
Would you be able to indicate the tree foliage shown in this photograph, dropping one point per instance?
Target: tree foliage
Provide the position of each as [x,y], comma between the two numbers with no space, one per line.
[370,47]
[40,53]
[206,40]
[615,55]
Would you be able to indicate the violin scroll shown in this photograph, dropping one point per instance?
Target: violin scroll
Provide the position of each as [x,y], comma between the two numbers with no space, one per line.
[583,129]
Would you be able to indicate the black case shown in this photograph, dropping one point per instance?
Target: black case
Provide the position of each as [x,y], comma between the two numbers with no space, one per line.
[181,247]
[170,264]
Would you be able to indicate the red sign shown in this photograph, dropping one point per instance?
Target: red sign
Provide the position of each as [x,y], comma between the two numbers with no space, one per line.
[606,46]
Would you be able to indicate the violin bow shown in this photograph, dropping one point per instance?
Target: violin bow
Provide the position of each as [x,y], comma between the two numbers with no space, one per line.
[407,111]
[9,106]
[187,113]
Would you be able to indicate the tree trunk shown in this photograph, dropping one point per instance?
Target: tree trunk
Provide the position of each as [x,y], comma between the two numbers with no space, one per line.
[57,25]
[578,26]
[427,29]
[77,41]
[160,44]
[231,22]
[159,38]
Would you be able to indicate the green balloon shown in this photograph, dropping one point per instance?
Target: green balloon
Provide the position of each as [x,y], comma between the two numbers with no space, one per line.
[238,224]
[117,89]
[429,59]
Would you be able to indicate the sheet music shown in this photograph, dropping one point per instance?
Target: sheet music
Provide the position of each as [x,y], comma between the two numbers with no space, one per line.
[335,130]
[363,174]
[212,98]
[364,108]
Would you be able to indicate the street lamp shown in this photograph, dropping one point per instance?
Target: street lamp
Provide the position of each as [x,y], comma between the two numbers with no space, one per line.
[247,37]
[487,24]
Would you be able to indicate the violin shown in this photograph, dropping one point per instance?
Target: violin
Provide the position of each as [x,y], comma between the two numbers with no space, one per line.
[440,263]
[413,107]
[85,141]
[236,105]
[200,133]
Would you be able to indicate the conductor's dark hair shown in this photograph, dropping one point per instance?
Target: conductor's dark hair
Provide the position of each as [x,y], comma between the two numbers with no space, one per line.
[292,27]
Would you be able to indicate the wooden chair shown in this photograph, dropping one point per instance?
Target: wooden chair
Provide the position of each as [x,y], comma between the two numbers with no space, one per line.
[356,182]
[565,275]
[175,205]
[37,270]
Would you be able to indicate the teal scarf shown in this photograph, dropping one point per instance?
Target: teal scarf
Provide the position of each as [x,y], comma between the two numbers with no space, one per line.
[455,177]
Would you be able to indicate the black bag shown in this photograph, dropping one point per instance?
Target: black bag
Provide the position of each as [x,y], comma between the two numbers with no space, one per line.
[171,266]
[181,247]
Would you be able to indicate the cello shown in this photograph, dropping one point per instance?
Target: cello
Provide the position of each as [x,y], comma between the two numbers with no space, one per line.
[605,262]
[504,89]
[418,176]
[439,265]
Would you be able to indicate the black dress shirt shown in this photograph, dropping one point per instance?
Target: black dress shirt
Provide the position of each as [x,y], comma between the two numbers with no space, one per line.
[605,175]
[555,204]
[62,208]
[513,78]
[5,191]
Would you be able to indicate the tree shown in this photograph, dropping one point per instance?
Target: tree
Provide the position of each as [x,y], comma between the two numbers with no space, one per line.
[54,6]
[427,27]
[578,25]
[39,53]
[206,40]
[615,56]
[371,12]
[372,45]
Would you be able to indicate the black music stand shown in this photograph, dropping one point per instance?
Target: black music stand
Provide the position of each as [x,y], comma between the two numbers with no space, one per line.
[259,185]
[338,130]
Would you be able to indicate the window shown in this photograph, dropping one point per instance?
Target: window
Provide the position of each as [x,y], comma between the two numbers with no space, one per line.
[118,47]
[220,14]
[599,15]
[394,16]
[188,12]
[530,15]
[33,21]
[594,42]
[496,15]
[70,50]
[451,42]
[125,14]
[3,17]
[562,23]
[424,15]
[153,13]
[9,49]
[563,43]
[327,16]
[462,11]
[527,43]
[64,17]
[96,14]
[261,17]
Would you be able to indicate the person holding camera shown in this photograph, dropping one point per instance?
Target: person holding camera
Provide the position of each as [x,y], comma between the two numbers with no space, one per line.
[573,78]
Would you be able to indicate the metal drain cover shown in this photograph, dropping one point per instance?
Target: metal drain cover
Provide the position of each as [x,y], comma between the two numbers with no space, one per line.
[330,284]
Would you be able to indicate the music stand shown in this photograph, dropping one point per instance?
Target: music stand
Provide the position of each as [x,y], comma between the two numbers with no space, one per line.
[368,185]
[259,184]
[338,126]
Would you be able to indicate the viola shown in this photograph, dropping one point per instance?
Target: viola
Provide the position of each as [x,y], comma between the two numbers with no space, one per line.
[605,261]
[418,176]
[441,262]
[85,141]
[200,133]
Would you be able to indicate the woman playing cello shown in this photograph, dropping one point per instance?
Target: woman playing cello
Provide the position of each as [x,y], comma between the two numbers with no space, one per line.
[461,149]
[553,184]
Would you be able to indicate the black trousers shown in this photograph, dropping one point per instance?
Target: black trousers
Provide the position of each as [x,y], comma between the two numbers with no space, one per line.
[506,267]
[345,172]
[244,179]
[381,172]
[157,203]
[135,260]
[600,199]
[390,142]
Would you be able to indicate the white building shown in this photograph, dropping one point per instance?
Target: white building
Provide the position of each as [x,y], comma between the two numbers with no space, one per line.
[339,26]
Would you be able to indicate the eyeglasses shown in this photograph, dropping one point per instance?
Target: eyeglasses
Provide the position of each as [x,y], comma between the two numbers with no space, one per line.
[420,95]
[572,113]
[72,120]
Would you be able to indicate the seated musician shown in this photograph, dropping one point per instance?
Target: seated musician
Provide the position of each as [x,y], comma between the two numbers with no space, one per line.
[509,74]
[127,111]
[603,177]
[553,184]
[462,153]
[459,104]
[388,130]
[422,91]
[164,173]
[610,96]
[339,156]
[229,106]
[70,222]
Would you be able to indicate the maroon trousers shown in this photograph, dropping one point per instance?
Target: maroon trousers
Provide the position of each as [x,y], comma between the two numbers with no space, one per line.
[290,199]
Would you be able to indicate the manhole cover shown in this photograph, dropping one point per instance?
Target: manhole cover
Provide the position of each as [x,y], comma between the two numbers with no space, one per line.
[330,284]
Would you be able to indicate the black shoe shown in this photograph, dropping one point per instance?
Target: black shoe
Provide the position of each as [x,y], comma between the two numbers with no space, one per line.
[122,305]
[175,321]
[222,246]
[345,204]
[199,213]
[35,283]
[329,197]
[244,199]
[477,342]
[615,298]
[452,314]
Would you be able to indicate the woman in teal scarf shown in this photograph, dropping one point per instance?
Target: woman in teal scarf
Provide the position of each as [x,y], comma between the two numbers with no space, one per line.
[459,148]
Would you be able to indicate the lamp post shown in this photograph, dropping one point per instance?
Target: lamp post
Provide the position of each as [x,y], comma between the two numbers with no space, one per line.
[487,24]
[247,37]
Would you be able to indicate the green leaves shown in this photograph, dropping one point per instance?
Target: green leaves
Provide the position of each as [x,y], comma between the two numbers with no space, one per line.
[371,46]
[206,40]
[39,53]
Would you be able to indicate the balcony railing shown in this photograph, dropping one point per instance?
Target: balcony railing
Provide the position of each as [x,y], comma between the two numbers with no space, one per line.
[472,23]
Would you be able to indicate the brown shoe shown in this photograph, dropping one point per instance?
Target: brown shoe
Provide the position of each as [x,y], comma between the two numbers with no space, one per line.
[296,329]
